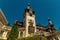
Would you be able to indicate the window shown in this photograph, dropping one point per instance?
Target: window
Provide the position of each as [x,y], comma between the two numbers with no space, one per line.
[31,22]
[30,27]
[21,34]
[30,14]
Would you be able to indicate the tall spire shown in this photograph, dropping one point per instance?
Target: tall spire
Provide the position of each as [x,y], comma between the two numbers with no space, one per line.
[29,10]
[28,7]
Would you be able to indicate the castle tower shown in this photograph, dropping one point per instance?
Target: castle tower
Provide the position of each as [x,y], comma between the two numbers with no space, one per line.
[29,21]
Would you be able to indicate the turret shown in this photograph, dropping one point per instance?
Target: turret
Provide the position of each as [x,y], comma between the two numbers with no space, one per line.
[51,25]
[50,22]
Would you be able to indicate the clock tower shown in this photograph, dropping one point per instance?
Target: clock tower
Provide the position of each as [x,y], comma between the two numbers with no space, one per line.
[29,21]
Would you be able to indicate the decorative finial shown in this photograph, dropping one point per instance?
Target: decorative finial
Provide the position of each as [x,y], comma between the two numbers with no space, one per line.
[48,19]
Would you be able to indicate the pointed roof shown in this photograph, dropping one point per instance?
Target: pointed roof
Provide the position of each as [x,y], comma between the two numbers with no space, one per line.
[3,18]
[28,7]
[29,10]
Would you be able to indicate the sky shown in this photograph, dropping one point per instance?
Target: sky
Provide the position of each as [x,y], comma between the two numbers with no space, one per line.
[14,10]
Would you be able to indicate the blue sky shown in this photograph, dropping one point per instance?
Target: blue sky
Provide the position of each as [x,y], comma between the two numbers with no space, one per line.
[14,9]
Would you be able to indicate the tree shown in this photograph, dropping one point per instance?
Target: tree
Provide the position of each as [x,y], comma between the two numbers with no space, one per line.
[13,35]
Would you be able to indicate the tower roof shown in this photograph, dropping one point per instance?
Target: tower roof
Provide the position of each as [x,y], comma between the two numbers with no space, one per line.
[50,23]
[28,7]
[29,10]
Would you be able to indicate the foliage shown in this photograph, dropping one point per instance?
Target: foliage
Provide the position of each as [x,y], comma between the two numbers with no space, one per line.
[13,35]
[33,38]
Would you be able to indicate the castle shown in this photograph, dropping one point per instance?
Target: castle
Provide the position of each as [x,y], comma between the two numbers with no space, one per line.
[26,28]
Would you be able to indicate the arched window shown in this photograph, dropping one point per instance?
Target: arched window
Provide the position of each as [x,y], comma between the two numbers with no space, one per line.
[1,32]
[21,34]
